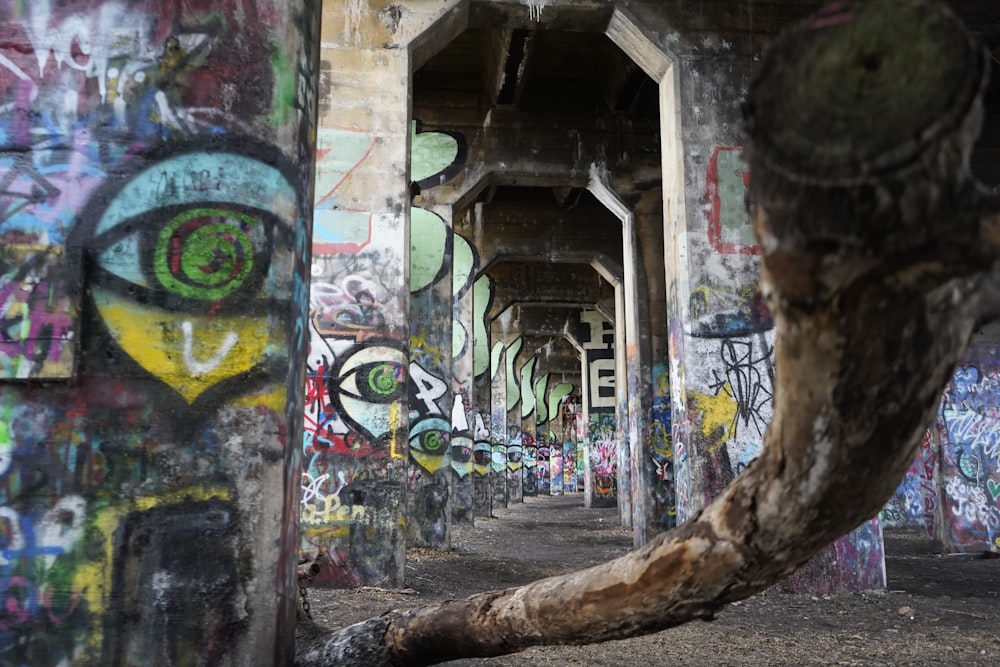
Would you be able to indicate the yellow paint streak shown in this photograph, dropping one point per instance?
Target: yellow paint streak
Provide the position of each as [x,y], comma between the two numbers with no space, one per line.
[93,579]
[276,401]
[717,413]
[395,451]
[155,339]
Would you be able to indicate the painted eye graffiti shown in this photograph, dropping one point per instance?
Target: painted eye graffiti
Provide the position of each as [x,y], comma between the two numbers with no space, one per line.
[374,381]
[429,442]
[367,385]
[189,253]
[431,436]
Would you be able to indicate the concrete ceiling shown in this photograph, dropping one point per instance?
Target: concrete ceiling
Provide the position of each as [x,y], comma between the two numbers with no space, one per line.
[528,89]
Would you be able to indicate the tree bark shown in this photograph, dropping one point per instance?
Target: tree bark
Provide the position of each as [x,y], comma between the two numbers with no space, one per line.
[879,258]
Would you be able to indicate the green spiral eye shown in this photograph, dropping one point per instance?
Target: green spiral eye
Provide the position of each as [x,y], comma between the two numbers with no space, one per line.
[205,253]
[383,379]
[433,441]
[431,436]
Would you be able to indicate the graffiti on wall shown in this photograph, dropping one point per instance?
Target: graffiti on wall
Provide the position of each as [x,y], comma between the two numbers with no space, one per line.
[39,299]
[464,266]
[729,228]
[732,403]
[569,467]
[356,377]
[529,476]
[968,425]
[659,445]
[359,373]
[915,502]
[498,424]
[515,463]
[603,459]
[542,465]
[597,337]
[556,469]
[482,455]
[129,205]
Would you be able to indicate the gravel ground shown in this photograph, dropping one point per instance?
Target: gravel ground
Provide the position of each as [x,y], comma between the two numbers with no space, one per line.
[938,609]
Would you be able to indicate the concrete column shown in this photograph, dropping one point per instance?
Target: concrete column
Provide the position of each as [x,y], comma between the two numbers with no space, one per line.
[463,422]
[498,422]
[429,500]
[529,446]
[539,429]
[597,337]
[515,439]
[720,339]
[657,439]
[359,351]
[482,476]
[357,459]
[954,484]
[529,456]
[153,284]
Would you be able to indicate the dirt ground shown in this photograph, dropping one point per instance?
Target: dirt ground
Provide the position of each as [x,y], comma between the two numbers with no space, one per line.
[938,609]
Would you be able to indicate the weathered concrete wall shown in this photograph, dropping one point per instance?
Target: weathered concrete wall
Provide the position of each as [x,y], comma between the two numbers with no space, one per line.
[482,474]
[728,333]
[156,170]
[498,423]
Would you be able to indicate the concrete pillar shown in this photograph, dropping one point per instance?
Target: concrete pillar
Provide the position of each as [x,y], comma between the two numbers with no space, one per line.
[463,422]
[721,374]
[359,351]
[429,500]
[515,440]
[498,422]
[656,442]
[153,284]
[529,400]
[540,426]
[960,460]
[597,337]
[482,475]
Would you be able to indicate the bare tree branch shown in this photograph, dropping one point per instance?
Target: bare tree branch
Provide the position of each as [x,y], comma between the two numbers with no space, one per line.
[878,250]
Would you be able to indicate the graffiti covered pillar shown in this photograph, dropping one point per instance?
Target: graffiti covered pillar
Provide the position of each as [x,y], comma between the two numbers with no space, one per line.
[567,434]
[498,423]
[153,266]
[482,452]
[721,336]
[597,337]
[429,499]
[539,425]
[463,420]
[515,438]
[529,448]
[968,430]
[357,430]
